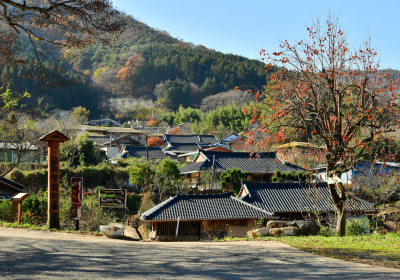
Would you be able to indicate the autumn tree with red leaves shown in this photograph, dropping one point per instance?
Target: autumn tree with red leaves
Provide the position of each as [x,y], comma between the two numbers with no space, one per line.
[154,142]
[125,74]
[335,93]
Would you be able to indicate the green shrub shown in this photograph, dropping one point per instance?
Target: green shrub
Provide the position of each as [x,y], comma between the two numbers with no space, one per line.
[35,209]
[326,231]
[6,213]
[357,226]
[133,202]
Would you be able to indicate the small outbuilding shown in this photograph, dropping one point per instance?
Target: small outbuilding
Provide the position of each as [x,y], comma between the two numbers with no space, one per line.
[290,200]
[202,216]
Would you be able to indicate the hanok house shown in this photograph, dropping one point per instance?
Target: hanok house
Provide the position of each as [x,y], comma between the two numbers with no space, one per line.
[152,153]
[115,146]
[194,216]
[290,201]
[183,144]
[260,168]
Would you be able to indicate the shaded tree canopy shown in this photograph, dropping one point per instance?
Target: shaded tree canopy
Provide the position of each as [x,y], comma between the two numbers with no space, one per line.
[52,25]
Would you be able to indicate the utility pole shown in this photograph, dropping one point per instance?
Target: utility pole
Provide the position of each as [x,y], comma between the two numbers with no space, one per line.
[147,150]
[212,172]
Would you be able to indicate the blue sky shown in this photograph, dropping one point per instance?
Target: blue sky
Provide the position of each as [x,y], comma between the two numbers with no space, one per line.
[244,27]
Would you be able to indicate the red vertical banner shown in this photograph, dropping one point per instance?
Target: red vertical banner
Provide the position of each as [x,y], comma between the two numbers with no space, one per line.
[76,198]
[76,191]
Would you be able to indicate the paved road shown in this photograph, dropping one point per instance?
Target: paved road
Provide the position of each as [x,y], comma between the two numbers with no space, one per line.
[43,255]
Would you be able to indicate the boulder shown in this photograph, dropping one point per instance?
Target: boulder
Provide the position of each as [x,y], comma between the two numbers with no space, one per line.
[283,231]
[305,227]
[277,224]
[258,232]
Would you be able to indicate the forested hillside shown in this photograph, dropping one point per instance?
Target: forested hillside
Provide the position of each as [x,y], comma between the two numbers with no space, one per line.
[144,63]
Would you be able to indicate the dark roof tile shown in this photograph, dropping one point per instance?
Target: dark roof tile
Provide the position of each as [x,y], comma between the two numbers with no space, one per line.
[296,197]
[203,207]
[140,152]
[265,163]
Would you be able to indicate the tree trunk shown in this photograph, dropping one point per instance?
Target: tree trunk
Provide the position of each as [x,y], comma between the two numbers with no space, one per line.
[341,220]
[338,195]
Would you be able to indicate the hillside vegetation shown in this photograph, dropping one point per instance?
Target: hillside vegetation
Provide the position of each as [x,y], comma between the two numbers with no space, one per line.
[145,63]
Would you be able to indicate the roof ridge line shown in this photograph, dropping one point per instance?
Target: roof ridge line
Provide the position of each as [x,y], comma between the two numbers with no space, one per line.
[247,190]
[255,207]
[361,200]
[157,207]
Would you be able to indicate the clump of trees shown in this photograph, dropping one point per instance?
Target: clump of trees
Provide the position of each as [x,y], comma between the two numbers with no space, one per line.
[81,151]
[220,121]
[232,178]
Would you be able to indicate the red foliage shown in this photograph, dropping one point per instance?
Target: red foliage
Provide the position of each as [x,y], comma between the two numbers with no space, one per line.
[155,142]
[131,65]
[152,122]
[175,131]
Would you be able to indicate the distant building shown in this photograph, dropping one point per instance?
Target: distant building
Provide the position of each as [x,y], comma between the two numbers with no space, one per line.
[183,144]
[31,153]
[141,152]
[260,168]
[103,121]
[364,173]
[106,131]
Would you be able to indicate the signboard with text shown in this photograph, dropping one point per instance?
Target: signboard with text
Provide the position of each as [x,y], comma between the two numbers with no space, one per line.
[76,198]
[76,191]
[112,198]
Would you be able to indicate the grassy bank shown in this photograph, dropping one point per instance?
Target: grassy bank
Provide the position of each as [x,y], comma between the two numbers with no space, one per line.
[379,250]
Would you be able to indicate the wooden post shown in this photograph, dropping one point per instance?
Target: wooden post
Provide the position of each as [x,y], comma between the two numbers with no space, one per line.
[19,211]
[17,202]
[53,159]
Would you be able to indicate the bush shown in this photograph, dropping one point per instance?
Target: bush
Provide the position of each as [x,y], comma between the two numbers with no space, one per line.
[357,226]
[133,202]
[6,208]
[326,231]
[147,203]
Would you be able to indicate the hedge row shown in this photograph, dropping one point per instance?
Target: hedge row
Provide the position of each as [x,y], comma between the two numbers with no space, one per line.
[93,176]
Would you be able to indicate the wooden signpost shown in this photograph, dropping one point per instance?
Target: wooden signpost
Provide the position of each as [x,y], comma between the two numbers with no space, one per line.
[53,154]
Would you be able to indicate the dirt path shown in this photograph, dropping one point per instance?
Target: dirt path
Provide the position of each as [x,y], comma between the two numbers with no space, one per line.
[44,255]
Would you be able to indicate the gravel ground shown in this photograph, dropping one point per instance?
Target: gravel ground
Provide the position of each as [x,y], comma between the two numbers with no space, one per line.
[31,254]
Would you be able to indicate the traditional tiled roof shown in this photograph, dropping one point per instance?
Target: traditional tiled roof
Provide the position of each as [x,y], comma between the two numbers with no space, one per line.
[296,197]
[265,163]
[190,139]
[7,184]
[140,152]
[100,140]
[204,207]
[188,168]
[123,140]
[226,139]
[182,148]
